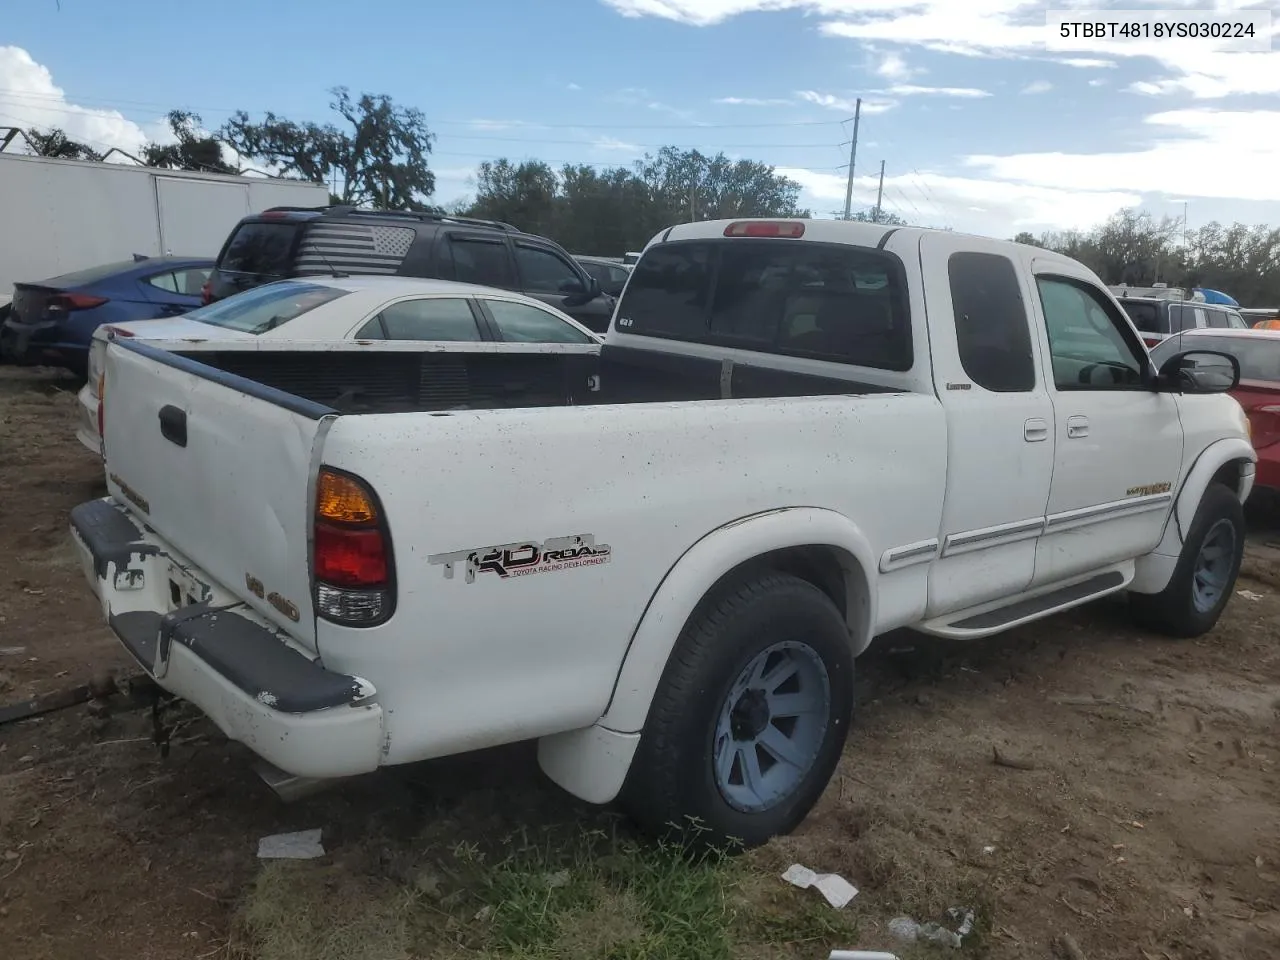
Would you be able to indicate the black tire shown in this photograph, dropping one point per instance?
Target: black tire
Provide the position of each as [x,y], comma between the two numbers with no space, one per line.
[671,788]
[1173,611]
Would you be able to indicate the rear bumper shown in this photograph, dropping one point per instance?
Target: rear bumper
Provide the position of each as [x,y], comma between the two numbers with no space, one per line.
[87,419]
[255,684]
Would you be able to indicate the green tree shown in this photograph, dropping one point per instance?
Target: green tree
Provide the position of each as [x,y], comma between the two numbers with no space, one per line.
[193,149]
[379,157]
[613,210]
[55,143]
[879,216]
[524,194]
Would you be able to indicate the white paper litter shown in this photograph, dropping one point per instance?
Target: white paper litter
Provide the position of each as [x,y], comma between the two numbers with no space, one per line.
[834,887]
[303,845]
[861,955]
[1249,594]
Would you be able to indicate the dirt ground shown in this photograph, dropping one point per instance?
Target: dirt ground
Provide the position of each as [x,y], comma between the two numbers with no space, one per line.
[1147,825]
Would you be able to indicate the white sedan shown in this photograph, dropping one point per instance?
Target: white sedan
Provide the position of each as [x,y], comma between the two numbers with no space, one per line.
[346,308]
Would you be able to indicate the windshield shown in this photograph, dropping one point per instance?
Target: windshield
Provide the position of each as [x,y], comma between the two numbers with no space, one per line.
[267,307]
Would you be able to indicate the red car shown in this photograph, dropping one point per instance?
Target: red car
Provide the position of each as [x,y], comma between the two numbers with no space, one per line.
[1258,392]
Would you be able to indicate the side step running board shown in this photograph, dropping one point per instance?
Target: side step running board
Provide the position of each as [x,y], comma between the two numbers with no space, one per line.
[967,623]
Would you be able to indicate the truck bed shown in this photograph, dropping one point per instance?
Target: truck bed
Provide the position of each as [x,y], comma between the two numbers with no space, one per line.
[406,379]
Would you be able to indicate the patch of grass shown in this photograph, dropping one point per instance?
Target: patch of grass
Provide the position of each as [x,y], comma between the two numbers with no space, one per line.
[305,911]
[585,891]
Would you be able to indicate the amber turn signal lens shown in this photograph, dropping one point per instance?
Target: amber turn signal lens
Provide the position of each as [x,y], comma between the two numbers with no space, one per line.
[341,499]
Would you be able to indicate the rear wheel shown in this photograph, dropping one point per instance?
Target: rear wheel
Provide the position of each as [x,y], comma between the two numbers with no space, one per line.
[750,716]
[1206,572]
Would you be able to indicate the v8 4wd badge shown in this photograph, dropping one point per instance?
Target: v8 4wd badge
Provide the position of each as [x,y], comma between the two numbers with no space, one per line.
[529,557]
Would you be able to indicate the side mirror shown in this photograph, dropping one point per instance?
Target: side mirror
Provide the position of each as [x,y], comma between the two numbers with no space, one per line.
[577,293]
[1200,371]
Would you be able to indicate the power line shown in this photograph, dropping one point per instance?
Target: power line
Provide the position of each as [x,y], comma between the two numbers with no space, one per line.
[681,146]
[71,101]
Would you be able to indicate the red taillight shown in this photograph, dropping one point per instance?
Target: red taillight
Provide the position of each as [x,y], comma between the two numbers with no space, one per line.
[765,228]
[74,301]
[350,557]
[351,552]
[1151,341]
[206,292]
[118,332]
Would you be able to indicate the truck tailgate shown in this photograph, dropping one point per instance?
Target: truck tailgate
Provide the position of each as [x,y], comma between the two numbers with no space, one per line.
[221,474]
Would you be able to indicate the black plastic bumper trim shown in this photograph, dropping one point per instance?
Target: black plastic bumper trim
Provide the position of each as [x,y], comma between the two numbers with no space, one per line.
[255,660]
[109,534]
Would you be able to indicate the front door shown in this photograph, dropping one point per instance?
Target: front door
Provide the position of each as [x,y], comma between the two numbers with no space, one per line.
[1118,444]
[549,277]
[989,377]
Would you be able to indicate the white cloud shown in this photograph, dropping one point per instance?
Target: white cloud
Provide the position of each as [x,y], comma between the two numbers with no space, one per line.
[911,90]
[572,86]
[1087,63]
[753,101]
[1200,153]
[967,204]
[30,98]
[1012,29]
[893,67]
[639,96]
[1039,86]
[844,104]
[612,143]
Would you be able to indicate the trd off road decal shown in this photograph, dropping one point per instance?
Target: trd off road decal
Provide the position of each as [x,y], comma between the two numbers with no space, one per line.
[522,559]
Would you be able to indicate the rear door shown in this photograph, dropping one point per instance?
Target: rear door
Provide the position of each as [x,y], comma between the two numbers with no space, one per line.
[220,474]
[176,290]
[999,421]
[474,256]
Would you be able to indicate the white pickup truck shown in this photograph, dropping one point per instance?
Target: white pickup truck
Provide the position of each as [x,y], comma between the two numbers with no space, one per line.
[799,435]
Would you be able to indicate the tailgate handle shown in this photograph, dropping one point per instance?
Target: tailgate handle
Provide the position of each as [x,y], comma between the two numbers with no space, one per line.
[173,424]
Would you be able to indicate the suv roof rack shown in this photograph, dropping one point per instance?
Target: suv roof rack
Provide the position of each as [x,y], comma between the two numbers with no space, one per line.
[347,210]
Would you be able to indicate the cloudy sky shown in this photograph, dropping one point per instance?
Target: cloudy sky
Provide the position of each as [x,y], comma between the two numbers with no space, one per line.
[982,122]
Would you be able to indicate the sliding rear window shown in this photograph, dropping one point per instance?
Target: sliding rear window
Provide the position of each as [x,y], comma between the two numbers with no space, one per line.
[825,301]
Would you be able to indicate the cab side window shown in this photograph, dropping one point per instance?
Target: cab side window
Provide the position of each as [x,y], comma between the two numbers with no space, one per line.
[1089,344]
[992,334]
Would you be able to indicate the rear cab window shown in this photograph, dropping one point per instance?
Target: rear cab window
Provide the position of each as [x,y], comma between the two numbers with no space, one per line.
[260,249]
[822,301]
[266,307]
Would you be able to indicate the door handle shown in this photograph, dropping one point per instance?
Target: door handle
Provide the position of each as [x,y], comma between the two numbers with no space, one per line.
[173,424]
[1077,427]
[1035,430]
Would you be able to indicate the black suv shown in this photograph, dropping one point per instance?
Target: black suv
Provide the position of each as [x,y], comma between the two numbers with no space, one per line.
[1157,319]
[322,241]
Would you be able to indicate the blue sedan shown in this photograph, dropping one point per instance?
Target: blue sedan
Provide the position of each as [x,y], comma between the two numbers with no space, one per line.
[52,321]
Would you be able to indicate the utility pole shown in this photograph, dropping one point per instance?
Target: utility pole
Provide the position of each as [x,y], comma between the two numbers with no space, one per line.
[853,155]
[879,193]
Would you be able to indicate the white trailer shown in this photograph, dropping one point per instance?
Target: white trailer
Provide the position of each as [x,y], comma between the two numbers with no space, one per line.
[57,216]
